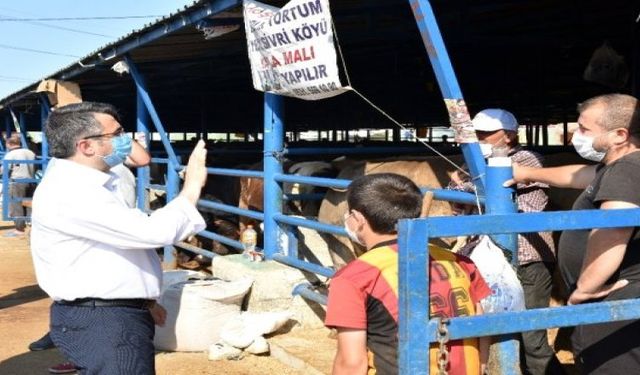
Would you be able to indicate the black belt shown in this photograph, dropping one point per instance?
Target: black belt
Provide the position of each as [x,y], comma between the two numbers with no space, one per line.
[138,303]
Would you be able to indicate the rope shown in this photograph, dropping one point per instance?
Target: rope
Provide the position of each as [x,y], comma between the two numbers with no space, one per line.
[344,63]
[385,114]
[397,123]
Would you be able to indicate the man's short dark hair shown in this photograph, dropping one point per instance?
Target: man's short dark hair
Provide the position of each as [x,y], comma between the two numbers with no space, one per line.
[620,111]
[383,199]
[67,125]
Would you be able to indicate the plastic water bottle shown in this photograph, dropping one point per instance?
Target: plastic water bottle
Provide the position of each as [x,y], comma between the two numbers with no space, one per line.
[249,240]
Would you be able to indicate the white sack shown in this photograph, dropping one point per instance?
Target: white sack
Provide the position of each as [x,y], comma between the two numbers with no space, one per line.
[196,312]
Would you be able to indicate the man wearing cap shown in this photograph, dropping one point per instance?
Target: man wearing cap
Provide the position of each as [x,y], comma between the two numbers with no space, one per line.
[498,129]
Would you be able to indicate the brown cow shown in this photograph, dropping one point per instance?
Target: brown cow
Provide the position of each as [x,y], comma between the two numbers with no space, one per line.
[252,190]
[433,172]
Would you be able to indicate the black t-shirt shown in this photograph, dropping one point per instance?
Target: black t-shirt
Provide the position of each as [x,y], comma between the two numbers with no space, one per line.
[618,181]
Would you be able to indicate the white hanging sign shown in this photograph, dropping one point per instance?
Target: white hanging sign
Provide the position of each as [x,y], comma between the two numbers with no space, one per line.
[291,49]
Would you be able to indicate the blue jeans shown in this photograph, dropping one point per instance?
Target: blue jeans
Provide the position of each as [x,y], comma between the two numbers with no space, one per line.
[105,340]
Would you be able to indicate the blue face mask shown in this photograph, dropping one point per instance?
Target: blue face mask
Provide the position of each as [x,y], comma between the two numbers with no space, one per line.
[121,146]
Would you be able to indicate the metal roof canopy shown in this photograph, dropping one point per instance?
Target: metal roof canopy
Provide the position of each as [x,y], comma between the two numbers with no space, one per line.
[526,56]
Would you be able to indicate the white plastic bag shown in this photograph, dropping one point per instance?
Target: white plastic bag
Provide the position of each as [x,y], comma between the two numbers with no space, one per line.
[506,290]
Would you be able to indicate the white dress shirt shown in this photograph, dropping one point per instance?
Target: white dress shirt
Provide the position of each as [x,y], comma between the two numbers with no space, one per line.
[87,243]
[126,184]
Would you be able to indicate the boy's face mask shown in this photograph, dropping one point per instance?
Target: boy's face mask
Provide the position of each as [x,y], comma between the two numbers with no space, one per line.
[121,148]
[352,235]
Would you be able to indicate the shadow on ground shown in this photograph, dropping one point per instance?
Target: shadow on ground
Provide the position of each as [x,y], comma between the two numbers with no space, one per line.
[21,296]
[31,363]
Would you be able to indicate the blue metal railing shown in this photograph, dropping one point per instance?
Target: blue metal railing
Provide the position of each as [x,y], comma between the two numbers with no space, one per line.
[7,199]
[461,122]
[414,322]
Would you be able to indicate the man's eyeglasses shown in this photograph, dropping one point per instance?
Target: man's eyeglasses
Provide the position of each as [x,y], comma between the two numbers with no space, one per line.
[115,133]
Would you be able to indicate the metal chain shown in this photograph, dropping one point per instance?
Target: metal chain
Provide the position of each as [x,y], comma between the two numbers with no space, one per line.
[443,351]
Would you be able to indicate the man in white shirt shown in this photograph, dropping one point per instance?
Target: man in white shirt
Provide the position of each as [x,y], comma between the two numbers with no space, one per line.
[125,183]
[94,255]
[18,189]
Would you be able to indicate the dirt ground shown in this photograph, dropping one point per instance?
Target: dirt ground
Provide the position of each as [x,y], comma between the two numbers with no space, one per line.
[24,317]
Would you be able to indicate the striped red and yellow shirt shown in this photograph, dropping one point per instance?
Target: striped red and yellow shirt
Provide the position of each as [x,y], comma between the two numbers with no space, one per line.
[364,295]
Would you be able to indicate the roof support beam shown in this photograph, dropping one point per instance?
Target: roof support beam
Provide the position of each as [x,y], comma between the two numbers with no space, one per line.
[143,95]
[160,30]
[45,110]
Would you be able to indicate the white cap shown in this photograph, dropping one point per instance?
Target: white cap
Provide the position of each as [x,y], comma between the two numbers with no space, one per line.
[493,119]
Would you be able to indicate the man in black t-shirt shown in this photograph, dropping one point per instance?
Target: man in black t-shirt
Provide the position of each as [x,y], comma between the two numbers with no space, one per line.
[602,264]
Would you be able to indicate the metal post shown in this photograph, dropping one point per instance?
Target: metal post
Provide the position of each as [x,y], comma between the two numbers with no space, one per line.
[22,125]
[174,162]
[501,200]
[9,123]
[273,148]
[565,129]
[142,125]
[5,189]
[292,240]
[413,292]
[173,180]
[396,135]
[173,185]
[425,18]
[6,119]
[447,80]
[44,113]
[141,86]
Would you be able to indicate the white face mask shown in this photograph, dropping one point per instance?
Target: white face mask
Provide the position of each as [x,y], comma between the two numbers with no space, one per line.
[486,149]
[584,147]
[352,235]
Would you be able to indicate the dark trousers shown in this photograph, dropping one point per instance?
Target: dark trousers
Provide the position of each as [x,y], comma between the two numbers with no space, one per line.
[537,357]
[105,340]
[609,348]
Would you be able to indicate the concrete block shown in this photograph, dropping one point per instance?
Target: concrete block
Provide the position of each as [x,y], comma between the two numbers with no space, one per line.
[271,290]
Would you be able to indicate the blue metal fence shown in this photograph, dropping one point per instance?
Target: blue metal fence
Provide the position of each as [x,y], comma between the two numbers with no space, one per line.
[7,199]
[415,324]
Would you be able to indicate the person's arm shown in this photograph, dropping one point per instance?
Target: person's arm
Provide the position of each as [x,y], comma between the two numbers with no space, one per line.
[484,343]
[351,357]
[123,227]
[605,250]
[139,156]
[576,176]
